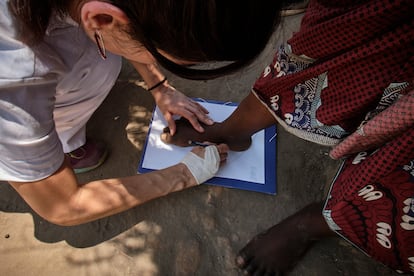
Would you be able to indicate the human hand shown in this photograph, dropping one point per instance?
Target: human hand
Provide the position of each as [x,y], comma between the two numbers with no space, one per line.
[204,162]
[172,102]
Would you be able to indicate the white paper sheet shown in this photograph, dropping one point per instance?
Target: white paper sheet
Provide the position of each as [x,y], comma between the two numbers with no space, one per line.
[247,165]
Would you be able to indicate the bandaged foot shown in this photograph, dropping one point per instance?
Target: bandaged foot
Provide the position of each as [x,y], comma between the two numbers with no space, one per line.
[203,168]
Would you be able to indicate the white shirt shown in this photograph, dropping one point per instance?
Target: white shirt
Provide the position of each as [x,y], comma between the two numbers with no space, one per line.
[67,62]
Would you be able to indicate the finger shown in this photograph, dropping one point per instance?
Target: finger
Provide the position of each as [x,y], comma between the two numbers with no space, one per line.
[195,123]
[223,158]
[199,106]
[171,123]
[205,119]
[223,155]
[223,148]
[196,111]
[192,119]
[223,152]
[201,113]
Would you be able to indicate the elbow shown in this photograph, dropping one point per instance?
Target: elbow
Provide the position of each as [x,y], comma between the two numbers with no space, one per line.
[61,221]
[63,215]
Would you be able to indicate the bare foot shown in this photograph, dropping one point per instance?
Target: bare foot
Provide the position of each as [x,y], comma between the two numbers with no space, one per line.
[185,134]
[278,249]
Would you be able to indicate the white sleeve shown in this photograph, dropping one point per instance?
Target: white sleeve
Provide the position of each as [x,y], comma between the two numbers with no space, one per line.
[30,149]
[29,145]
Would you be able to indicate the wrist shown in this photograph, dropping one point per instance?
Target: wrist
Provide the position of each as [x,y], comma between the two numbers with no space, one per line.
[161,91]
[189,178]
[158,84]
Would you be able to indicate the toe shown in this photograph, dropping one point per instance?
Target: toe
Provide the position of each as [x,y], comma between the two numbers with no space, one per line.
[240,261]
[251,269]
[166,130]
[166,137]
[244,259]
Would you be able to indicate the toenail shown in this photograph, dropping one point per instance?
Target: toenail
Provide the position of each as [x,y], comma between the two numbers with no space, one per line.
[239,261]
[164,136]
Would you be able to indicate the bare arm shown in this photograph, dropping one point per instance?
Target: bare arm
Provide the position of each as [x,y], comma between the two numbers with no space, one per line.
[60,199]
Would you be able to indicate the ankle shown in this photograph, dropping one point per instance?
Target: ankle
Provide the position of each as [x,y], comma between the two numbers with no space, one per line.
[311,224]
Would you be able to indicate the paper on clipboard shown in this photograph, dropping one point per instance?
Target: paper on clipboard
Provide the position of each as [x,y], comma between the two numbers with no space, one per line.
[245,170]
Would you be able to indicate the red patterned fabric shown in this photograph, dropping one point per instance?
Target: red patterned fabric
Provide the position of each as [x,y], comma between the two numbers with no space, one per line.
[364,47]
[346,80]
[371,202]
[386,126]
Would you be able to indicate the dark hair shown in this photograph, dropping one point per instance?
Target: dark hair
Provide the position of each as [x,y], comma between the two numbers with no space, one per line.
[235,31]
[33,17]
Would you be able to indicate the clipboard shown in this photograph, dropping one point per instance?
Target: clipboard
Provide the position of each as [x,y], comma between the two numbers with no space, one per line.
[252,170]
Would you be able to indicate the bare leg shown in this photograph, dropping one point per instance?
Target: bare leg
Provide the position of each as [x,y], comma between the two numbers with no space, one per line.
[236,131]
[278,249]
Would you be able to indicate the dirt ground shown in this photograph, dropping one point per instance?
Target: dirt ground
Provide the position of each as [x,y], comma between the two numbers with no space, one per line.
[194,232]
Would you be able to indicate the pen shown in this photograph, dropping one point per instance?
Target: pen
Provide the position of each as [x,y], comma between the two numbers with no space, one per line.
[195,143]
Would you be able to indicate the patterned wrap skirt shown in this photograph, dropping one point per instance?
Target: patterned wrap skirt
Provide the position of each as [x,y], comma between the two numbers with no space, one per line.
[345,80]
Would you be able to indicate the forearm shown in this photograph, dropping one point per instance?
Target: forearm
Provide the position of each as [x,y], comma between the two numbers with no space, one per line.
[150,73]
[61,200]
[102,198]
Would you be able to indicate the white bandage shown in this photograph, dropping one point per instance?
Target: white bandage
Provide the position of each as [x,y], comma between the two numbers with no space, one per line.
[203,168]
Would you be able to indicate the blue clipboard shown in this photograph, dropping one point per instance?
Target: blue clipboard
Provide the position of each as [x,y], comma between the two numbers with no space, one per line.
[266,185]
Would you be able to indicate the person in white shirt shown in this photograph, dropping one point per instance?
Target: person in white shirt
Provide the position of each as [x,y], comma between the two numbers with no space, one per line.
[59,60]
